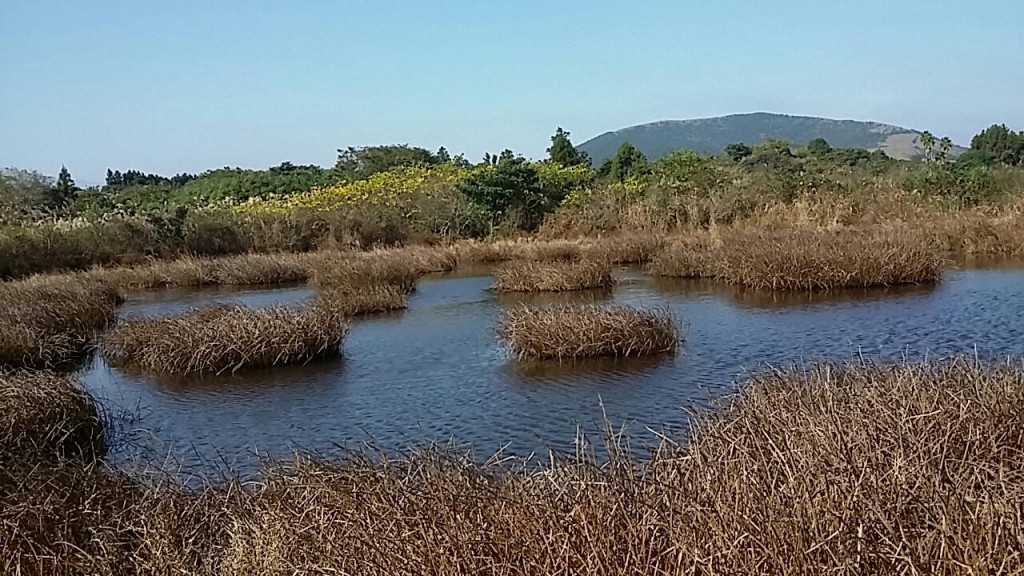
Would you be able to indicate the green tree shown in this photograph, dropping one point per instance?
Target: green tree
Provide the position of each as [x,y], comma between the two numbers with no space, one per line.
[738,151]
[628,162]
[24,192]
[997,143]
[63,192]
[509,189]
[357,163]
[563,152]
[819,147]
[442,156]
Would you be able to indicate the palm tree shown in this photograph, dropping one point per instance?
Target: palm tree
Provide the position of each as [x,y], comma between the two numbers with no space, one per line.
[945,145]
[928,143]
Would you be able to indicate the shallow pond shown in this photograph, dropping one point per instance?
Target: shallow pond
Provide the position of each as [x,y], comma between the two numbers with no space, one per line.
[437,370]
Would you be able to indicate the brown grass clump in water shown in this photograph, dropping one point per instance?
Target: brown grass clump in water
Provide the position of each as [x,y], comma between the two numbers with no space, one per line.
[832,469]
[553,277]
[805,259]
[369,300]
[564,332]
[47,320]
[46,416]
[399,267]
[226,338]
[813,260]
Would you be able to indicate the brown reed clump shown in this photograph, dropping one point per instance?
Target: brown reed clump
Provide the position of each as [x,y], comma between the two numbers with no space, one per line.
[225,339]
[686,257]
[400,267]
[626,249]
[368,300]
[239,270]
[553,277]
[828,469]
[822,260]
[805,259]
[566,332]
[48,320]
[46,416]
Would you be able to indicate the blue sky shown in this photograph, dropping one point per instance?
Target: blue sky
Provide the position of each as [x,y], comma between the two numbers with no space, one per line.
[186,86]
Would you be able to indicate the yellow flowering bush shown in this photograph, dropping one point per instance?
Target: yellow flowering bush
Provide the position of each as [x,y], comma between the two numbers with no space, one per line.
[397,188]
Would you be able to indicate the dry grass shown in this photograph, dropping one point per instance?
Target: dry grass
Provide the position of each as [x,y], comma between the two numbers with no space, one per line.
[625,249]
[806,259]
[48,320]
[245,269]
[46,416]
[686,257]
[369,300]
[856,469]
[824,260]
[531,250]
[225,339]
[396,265]
[400,267]
[565,332]
[553,277]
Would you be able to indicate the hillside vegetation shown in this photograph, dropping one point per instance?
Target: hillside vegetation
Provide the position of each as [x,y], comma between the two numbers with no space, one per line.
[711,135]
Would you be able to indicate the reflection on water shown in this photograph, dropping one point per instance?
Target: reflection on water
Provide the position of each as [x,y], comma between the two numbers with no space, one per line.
[767,300]
[594,296]
[582,371]
[437,371]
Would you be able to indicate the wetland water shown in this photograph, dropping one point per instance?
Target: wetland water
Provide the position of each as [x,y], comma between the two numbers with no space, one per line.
[437,371]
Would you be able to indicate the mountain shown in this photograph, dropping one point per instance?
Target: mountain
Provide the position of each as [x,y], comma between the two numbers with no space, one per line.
[712,135]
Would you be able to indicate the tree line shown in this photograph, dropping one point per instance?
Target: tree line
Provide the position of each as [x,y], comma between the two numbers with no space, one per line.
[503,183]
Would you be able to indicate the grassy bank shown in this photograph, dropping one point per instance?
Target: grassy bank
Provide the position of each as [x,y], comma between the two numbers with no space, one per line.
[567,332]
[886,469]
[225,339]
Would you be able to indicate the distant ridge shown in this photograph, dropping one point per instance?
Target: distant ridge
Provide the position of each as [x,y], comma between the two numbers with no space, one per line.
[712,135]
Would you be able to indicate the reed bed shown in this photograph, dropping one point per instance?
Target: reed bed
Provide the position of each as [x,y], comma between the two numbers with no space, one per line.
[686,257]
[825,469]
[225,338]
[806,259]
[553,277]
[46,416]
[625,249]
[46,321]
[369,300]
[394,267]
[240,270]
[581,331]
[812,260]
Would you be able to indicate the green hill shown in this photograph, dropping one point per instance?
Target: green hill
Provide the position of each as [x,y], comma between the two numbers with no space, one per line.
[711,135]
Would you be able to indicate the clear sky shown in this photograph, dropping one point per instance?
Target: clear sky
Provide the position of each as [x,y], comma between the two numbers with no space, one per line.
[186,85]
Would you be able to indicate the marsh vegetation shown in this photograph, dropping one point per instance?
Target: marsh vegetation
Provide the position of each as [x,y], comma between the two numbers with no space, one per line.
[858,467]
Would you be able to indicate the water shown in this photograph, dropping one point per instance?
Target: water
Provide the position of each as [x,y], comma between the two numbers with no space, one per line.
[437,370]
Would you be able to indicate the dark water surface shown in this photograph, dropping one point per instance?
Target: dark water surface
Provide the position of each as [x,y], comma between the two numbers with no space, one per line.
[437,371]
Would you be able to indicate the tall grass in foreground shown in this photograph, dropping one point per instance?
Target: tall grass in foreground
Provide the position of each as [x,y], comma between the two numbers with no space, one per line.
[48,320]
[566,332]
[46,416]
[807,259]
[225,339]
[829,469]
[553,277]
